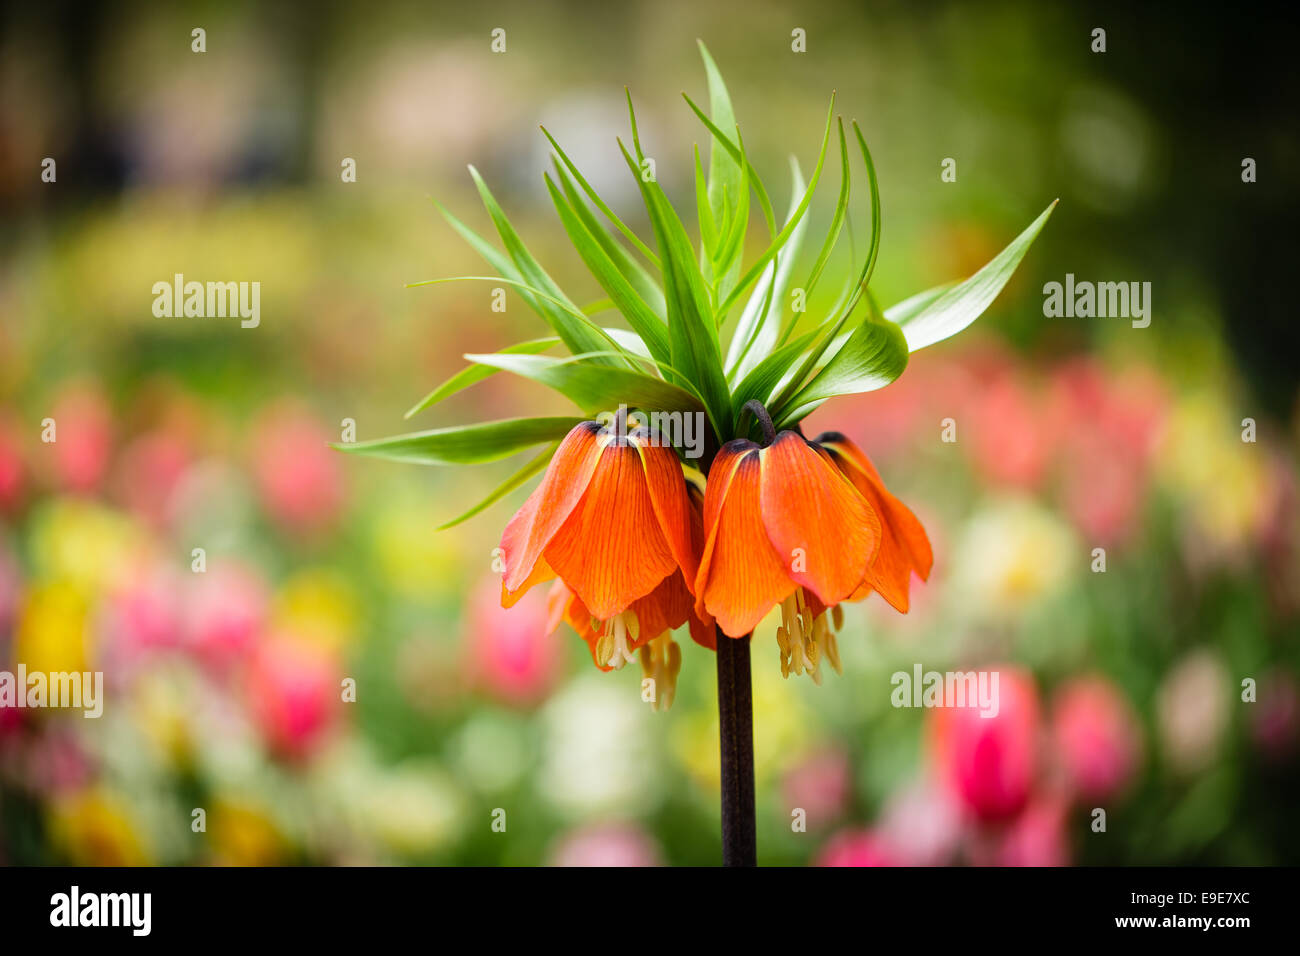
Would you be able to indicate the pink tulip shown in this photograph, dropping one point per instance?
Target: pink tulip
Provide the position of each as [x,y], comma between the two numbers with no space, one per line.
[990,763]
[149,470]
[856,848]
[294,691]
[12,468]
[511,652]
[1096,738]
[83,440]
[143,615]
[1012,444]
[226,609]
[607,844]
[1276,724]
[819,785]
[299,477]
[1037,836]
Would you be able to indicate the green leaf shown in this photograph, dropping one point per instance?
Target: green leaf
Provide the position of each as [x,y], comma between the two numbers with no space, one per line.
[874,355]
[536,466]
[955,309]
[595,388]
[631,270]
[790,225]
[603,336]
[556,307]
[837,218]
[704,215]
[724,168]
[758,328]
[763,379]
[692,335]
[476,373]
[639,315]
[738,154]
[600,204]
[853,294]
[464,444]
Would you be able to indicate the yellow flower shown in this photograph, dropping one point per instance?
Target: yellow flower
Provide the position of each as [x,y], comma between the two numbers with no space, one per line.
[52,635]
[318,604]
[94,828]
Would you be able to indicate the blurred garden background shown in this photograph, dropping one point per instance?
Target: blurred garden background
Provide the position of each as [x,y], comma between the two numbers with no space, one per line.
[1121,690]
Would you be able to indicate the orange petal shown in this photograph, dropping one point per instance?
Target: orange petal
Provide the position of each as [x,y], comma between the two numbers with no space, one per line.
[741,577]
[904,546]
[824,531]
[541,572]
[532,527]
[672,507]
[664,609]
[610,551]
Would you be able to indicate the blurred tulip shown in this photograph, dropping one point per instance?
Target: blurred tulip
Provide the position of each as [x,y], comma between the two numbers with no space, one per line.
[300,479]
[1276,724]
[1096,737]
[148,472]
[1012,444]
[855,848]
[1192,709]
[143,615]
[606,844]
[294,693]
[1037,836]
[226,609]
[819,784]
[86,545]
[512,653]
[319,604]
[94,827]
[52,633]
[83,439]
[11,584]
[598,754]
[12,467]
[240,833]
[1011,554]
[990,763]
[921,824]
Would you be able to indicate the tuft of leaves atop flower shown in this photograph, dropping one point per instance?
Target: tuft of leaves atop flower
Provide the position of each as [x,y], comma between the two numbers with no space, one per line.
[678,301]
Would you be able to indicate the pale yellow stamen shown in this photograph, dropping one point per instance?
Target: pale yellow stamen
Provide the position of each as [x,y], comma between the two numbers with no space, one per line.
[803,639]
[661,660]
[613,649]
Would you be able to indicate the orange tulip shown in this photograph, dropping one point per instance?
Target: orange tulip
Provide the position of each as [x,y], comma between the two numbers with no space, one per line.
[615,519]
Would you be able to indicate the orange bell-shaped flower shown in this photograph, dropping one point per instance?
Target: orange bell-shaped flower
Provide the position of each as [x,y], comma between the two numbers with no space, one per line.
[614,520]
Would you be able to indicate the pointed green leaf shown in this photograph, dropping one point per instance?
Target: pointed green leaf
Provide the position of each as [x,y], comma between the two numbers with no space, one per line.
[759,326]
[783,236]
[962,304]
[874,355]
[643,321]
[692,335]
[600,204]
[631,270]
[465,444]
[534,467]
[595,388]
[476,373]
[556,307]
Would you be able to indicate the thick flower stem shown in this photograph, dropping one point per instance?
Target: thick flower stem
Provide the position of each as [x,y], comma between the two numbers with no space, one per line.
[736,740]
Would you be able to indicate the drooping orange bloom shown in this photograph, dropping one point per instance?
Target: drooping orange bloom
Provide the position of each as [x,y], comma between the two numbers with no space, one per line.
[788,525]
[904,546]
[614,520]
